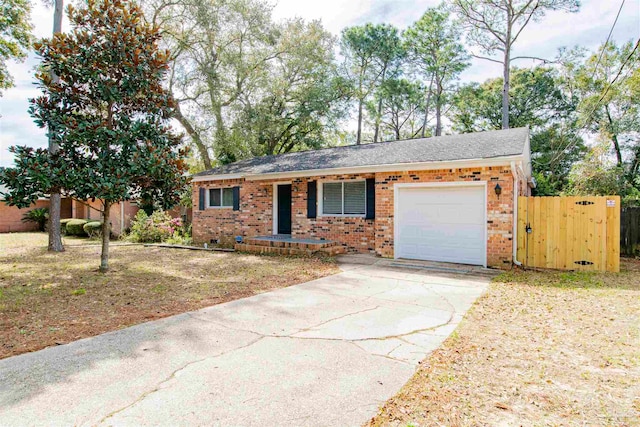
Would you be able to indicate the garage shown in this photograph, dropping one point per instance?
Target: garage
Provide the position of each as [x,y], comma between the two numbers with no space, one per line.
[441,223]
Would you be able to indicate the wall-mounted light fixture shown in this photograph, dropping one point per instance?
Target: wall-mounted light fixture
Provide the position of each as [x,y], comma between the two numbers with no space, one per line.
[498,190]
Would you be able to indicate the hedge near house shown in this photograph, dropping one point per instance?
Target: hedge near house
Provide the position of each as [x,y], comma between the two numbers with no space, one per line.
[75,227]
[93,229]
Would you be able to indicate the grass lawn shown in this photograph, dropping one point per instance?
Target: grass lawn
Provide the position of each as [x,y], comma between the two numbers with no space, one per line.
[539,348]
[48,299]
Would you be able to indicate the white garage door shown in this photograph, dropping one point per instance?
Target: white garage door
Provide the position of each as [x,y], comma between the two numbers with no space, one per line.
[441,224]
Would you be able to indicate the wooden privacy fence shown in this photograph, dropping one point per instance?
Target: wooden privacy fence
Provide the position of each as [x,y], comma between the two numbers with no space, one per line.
[569,233]
[630,231]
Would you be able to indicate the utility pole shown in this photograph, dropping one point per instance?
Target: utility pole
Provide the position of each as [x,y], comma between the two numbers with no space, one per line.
[55,238]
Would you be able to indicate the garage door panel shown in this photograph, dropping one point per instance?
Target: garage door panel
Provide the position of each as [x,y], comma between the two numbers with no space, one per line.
[441,224]
[466,256]
[450,196]
[442,215]
[442,235]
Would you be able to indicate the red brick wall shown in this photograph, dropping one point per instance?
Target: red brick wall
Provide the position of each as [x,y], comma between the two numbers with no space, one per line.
[11,217]
[357,233]
[255,216]
[253,219]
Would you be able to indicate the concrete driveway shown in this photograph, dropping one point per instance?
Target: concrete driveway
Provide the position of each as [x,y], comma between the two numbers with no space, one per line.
[324,353]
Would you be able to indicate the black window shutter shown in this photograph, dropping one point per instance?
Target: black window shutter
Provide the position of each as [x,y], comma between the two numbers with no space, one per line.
[312,199]
[371,198]
[236,198]
[201,199]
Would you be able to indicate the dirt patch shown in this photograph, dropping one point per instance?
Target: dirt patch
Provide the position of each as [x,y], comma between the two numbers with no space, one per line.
[48,299]
[539,348]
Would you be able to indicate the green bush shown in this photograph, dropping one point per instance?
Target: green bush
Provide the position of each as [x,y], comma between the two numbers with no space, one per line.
[63,225]
[93,229]
[37,215]
[159,227]
[75,227]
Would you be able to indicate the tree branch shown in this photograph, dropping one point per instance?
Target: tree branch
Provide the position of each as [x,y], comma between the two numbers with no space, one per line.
[546,61]
[486,58]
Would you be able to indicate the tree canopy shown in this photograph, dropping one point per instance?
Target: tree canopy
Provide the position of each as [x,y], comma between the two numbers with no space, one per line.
[435,49]
[108,112]
[246,84]
[15,36]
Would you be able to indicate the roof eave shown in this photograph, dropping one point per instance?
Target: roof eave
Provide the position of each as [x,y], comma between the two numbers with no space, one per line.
[393,167]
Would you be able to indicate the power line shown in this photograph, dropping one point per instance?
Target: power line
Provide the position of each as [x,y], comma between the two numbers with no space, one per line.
[595,107]
[607,41]
[595,69]
[617,75]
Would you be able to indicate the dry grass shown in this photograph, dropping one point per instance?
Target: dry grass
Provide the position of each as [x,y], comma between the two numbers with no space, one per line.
[48,299]
[538,349]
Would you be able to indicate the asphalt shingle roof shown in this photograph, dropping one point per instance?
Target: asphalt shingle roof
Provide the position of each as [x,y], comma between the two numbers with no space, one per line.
[479,145]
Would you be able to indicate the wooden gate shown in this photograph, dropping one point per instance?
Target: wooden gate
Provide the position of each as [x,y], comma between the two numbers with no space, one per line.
[569,233]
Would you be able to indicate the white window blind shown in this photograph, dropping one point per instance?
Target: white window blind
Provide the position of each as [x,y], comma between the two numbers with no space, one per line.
[355,198]
[332,198]
[344,198]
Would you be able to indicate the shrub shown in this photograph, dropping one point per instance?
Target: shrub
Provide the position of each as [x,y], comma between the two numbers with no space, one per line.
[63,225]
[75,227]
[37,215]
[93,229]
[159,227]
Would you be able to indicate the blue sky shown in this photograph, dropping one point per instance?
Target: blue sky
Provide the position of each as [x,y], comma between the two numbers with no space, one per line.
[587,28]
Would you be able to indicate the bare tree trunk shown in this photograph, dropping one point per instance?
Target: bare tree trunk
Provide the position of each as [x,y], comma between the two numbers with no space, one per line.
[506,79]
[359,133]
[426,108]
[55,200]
[505,92]
[223,148]
[614,138]
[438,108]
[195,137]
[106,231]
[376,131]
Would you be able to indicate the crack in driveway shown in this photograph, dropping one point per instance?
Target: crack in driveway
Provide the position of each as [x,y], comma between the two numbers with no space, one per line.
[172,376]
[262,336]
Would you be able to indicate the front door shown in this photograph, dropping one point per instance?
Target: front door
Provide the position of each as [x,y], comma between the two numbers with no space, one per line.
[284,209]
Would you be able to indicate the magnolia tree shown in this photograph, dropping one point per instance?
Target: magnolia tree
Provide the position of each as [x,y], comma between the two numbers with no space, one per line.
[108,113]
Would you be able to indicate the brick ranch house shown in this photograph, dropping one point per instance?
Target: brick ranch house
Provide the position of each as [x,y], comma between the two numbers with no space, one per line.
[449,198]
[121,213]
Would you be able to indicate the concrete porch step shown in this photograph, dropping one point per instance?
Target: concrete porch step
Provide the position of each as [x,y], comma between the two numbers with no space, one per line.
[262,249]
[290,243]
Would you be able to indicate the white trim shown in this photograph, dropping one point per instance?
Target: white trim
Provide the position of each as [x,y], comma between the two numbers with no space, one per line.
[516,187]
[274,206]
[207,197]
[320,197]
[394,167]
[528,174]
[397,187]
[216,177]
